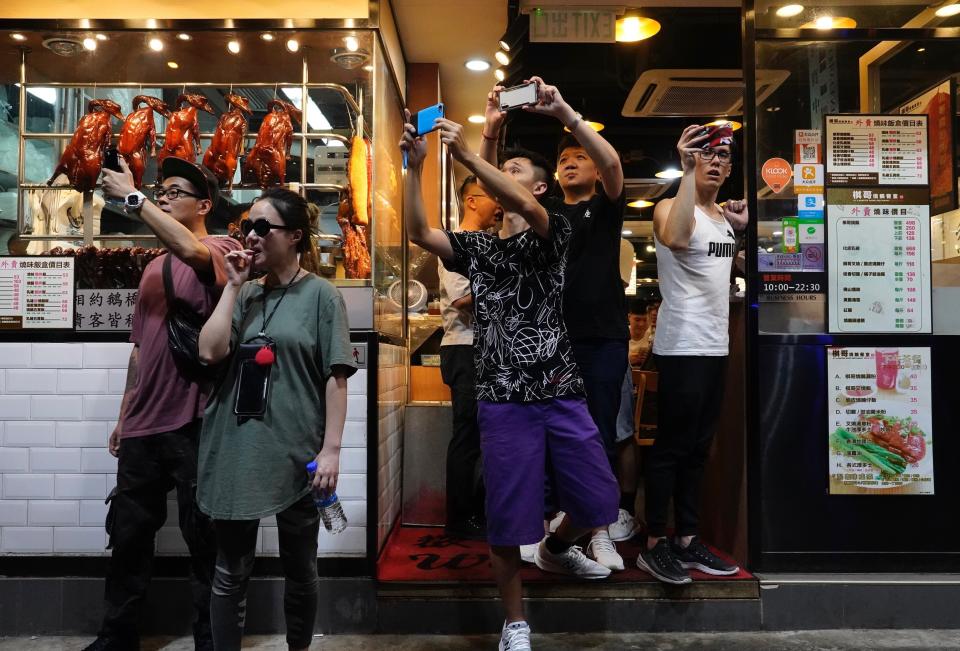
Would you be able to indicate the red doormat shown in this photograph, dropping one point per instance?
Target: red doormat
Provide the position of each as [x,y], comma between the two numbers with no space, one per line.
[427,554]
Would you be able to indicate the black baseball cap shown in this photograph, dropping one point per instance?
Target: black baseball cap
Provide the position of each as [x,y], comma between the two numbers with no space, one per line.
[201,178]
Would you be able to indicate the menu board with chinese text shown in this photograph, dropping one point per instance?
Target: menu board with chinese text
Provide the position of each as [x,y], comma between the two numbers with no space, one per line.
[879,260]
[880,423]
[938,104]
[876,150]
[36,293]
[105,310]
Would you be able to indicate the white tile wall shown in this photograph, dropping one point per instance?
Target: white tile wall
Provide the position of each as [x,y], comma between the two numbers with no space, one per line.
[58,405]
[391,397]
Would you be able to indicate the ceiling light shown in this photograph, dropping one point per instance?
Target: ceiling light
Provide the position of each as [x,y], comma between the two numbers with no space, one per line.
[627,232]
[773,109]
[789,11]
[499,74]
[476,119]
[18,37]
[151,23]
[504,45]
[669,173]
[830,22]
[184,36]
[90,44]
[173,65]
[100,37]
[734,125]
[352,43]
[293,45]
[631,29]
[640,203]
[234,47]
[596,126]
[949,10]
[156,44]
[267,36]
[824,22]
[651,248]
[477,65]
[921,49]
[502,58]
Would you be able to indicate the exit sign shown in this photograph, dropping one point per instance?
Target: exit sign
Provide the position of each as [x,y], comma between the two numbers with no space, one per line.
[572,26]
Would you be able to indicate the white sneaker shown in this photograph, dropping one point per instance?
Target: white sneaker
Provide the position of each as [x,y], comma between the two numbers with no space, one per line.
[625,528]
[555,523]
[602,550]
[515,637]
[573,562]
[528,552]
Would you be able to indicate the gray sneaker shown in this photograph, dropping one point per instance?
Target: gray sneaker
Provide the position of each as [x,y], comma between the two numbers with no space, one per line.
[660,563]
[573,562]
[515,637]
[696,556]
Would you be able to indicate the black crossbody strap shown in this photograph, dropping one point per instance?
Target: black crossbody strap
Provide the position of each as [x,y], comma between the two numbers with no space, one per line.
[168,280]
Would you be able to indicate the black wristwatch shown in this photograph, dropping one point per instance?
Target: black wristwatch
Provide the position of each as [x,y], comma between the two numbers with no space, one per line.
[134,202]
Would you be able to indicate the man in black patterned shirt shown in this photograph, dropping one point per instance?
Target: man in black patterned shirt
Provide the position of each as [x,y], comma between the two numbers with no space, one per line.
[529,390]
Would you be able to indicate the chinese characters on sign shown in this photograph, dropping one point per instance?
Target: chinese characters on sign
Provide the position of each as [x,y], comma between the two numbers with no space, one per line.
[880,423]
[105,310]
[879,278]
[36,293]
[937,103]
[870,150]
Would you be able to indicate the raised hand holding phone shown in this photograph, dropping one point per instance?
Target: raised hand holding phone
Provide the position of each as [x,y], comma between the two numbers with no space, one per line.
[413,146]
[691,141]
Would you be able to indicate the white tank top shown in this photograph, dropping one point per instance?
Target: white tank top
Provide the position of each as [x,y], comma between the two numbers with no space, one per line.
[695,285]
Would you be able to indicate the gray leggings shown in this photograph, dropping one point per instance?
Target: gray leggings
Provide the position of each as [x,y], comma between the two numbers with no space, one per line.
[297,528]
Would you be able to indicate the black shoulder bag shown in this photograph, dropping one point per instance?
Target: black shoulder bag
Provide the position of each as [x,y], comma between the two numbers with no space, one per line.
[183,331]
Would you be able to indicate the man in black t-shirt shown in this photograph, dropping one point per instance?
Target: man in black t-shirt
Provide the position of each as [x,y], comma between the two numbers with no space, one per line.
[594,305]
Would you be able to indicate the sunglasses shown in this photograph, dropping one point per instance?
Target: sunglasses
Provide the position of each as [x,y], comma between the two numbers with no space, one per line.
[261,227]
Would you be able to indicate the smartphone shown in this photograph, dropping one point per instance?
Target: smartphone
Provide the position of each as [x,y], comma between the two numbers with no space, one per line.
[252,382]
[111,159]
[424,119]
[517,96]
[716,132]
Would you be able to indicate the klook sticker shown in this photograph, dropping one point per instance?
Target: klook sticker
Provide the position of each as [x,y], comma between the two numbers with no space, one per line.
[776,173]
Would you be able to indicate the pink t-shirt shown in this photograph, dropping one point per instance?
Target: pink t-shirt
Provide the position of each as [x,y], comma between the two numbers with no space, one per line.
[162,400]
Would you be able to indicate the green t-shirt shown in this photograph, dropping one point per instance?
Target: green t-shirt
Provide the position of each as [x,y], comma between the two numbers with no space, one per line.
[256,468]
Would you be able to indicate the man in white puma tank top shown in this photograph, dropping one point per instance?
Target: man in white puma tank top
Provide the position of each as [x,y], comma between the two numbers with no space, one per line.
[695,249]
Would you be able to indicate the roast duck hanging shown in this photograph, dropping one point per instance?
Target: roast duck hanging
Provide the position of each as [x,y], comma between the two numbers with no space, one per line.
[138,128]
[83,157]
[266,164]
[353,213]
[228,140]
[182,137]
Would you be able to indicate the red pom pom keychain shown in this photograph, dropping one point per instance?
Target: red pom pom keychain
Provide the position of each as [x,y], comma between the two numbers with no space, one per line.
[265,356]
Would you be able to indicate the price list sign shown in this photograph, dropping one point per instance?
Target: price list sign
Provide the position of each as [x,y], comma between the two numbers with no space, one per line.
[36,293]
[879,272]
[876,150]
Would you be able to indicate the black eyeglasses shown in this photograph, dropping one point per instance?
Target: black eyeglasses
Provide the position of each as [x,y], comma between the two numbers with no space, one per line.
[261,227]
[172,194]
[710,154]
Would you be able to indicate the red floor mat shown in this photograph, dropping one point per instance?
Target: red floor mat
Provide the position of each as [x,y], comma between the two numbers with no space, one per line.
[426,554]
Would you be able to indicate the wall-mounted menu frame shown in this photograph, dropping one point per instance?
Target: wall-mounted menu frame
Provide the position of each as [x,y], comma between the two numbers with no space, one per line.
[939,104]
[36,293]
[876,150]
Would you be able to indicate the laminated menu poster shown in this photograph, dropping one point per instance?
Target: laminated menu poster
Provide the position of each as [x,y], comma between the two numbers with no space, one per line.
[36,293]
[938,104]
[871,150]
[879,260]
[880,423]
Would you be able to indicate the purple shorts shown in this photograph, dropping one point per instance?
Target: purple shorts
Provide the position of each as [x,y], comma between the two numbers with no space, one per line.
[515,439]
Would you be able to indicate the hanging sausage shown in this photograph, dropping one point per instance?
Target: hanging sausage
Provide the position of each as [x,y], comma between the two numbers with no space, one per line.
[138,128]
[227,144]
[83,157]
[266,164]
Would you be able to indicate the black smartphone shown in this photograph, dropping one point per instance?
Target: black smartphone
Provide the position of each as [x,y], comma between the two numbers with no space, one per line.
[111,159]
[252,383]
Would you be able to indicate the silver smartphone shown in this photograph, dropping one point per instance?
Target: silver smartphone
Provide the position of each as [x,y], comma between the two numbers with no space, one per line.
[517,96]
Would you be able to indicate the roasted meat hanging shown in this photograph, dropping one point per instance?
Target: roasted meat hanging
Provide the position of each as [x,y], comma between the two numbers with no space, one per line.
[266,164]
[227,144]
[82,159]
[182,138]
[356,251]
[138,128]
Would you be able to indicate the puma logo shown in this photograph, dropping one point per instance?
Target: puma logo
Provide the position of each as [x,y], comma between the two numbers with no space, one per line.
[721,249]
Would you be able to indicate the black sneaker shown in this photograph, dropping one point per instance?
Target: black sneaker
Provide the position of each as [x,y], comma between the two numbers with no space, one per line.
[473,528]
[696,556]
[112,644]
[660,563]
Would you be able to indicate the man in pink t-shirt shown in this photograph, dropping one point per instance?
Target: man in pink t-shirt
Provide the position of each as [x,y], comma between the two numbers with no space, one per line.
[157,433]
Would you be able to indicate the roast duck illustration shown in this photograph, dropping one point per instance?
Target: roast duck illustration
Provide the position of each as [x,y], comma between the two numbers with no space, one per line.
[137,130]
[266,164]
[227,145]
[83,157]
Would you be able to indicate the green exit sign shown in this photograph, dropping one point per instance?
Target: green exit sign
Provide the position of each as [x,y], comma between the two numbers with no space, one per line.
[573,26]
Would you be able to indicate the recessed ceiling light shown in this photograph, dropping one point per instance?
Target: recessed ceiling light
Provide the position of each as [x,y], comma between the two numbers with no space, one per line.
[184,36]
[921,49]
[233,47]
[631,29]
[18,37]
[734,125]
[352,43]
[669,173]
[100,37]
[651,248]
[173,65]
[789,11]
[640,203]
[499,74]
[267,36]
[504,45]
[502,58]
[948,10]
[476,119]
[477,65]
[830,22]
[90,44]
[293,44]
[596,126]
[773,109]
[824,22]
[156,44]
[627,231]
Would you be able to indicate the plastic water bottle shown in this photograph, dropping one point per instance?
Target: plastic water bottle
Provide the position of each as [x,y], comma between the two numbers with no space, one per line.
[331,511]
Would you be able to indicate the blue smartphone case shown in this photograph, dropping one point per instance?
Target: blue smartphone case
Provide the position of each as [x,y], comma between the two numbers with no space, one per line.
[424,118]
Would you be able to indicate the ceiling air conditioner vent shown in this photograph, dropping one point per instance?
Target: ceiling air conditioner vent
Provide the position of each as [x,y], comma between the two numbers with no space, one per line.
[667,93]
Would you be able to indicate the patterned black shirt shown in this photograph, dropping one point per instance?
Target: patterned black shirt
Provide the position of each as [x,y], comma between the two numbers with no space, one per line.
[520,344]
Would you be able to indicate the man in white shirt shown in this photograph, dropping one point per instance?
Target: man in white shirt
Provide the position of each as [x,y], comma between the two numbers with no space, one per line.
[465,517]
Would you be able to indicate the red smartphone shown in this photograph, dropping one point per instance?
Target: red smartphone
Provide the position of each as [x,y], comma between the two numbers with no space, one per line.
[719,134]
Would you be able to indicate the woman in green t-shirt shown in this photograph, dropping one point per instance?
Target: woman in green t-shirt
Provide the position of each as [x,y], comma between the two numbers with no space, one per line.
[289,340]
